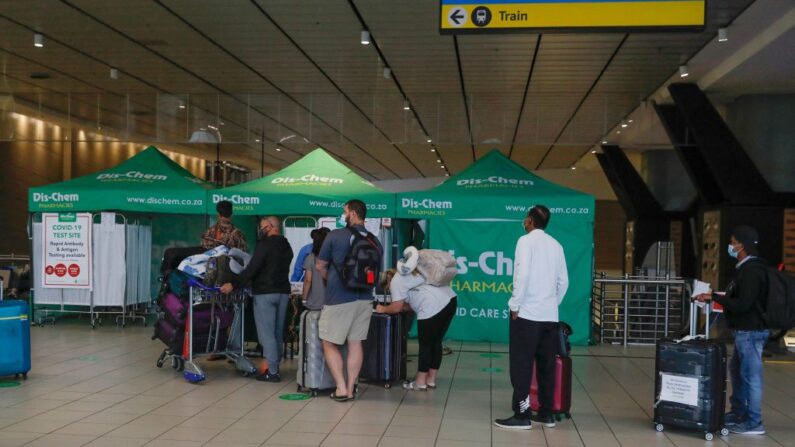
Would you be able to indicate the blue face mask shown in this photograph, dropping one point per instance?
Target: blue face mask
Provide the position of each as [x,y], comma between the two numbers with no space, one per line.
[733,251]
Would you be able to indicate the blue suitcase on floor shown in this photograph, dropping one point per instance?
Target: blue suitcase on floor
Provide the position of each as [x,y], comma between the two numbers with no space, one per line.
[385,349]
[14,338]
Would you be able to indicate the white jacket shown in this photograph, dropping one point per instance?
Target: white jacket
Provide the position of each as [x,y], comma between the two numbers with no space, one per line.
[540,277]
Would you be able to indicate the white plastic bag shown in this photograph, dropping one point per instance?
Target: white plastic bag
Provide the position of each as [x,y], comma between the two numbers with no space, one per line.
[437,266]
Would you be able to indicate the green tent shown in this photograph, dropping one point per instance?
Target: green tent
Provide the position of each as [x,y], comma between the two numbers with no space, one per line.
[317,185]
[478,216]
[149,182]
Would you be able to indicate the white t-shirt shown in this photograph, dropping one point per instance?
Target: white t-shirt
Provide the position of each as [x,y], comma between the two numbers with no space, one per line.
[426,300]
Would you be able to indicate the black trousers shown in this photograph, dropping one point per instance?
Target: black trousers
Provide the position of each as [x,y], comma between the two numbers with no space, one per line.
[430,335]
[532,342]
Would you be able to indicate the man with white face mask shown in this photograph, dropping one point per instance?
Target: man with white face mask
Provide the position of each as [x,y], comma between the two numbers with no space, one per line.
[742,303]
[345,318]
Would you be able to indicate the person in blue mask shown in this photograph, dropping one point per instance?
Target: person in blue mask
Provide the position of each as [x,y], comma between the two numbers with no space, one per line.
[743,301]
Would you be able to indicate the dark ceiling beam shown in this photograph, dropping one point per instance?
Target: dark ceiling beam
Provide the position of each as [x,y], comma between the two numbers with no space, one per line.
[638,201]
[733,170]
[464,96]
[709,192]
[524,95]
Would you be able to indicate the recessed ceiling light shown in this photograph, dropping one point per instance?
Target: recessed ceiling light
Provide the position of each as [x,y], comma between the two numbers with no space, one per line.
[365,37]
[38,40]
[630,121]
[624,124]
[406,105]
[683,72]
[181,105]
[723,34]
[278,149]
[433,150]
[442,166]
[604,141]
[257,140]
[387,73]
[114,73]
[618,132]
[593,151]
[438,160]
[574,168]
[429,140]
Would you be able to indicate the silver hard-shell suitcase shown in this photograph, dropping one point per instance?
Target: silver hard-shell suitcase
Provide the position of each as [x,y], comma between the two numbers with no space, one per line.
[313,373]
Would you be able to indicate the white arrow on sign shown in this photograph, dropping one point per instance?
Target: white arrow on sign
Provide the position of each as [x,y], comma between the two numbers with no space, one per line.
[457,16]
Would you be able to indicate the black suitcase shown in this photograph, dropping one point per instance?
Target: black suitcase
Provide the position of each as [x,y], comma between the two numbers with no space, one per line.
[385,349]
[690,385]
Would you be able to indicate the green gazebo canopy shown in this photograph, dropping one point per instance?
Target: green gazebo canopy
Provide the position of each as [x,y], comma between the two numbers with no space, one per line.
[317,185]
[149,182]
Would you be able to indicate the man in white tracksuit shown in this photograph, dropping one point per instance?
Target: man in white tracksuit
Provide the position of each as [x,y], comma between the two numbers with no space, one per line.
[540,281]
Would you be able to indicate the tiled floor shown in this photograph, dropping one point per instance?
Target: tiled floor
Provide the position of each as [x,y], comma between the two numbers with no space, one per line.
[101,388]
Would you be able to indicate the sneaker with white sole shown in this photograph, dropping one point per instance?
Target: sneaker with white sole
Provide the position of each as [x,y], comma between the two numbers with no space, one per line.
[746,429]
[548,421]
[514,423]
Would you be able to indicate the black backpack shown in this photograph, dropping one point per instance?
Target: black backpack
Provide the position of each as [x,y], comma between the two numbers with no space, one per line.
[362,264]
[779,306]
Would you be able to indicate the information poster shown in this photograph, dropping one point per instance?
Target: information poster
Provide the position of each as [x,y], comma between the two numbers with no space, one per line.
[67,251]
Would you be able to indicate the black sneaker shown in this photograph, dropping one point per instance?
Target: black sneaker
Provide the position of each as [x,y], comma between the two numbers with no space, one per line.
[269,377]
[548,421]
[513,423]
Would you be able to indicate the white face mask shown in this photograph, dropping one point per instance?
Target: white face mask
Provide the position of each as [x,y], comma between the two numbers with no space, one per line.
[343,222]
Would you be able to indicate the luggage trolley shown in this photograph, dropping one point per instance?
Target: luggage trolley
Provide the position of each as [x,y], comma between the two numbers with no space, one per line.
[217,343]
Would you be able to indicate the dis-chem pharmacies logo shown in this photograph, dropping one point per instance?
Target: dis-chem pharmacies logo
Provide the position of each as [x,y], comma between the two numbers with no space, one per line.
[131,176]
[236,199]
[307,179]
[494,181]
[56,197]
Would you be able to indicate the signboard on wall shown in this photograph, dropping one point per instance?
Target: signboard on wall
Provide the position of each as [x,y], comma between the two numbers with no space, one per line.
[67,251]
[483,16]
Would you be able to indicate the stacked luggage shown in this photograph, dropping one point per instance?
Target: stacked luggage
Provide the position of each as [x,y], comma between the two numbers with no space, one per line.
[211,321]
[690,384]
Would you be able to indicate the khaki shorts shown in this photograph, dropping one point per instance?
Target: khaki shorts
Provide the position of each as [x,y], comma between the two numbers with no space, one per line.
[347,321]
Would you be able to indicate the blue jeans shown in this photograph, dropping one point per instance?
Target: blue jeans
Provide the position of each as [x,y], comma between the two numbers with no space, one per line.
[746,375]
[270,311]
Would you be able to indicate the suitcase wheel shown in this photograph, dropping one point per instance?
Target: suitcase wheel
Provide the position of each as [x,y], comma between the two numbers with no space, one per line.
[177,363]
[161,359]
[387,385]
[724,431]
[659,427]
[709,436]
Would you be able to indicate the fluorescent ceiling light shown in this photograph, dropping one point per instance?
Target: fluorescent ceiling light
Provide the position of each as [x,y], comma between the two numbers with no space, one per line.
[683,73]
[365,37]
[38,40]
[723,34]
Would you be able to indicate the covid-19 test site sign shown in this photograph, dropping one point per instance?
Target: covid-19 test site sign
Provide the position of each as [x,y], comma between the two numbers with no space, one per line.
[67,251]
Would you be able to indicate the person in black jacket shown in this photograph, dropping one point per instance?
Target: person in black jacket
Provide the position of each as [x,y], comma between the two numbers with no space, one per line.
[742,303]
[268,272]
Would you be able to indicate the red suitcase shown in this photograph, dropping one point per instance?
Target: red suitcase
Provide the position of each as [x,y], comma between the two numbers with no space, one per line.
[561,400]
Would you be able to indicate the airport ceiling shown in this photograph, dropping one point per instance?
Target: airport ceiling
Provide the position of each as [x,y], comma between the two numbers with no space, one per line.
[295,72]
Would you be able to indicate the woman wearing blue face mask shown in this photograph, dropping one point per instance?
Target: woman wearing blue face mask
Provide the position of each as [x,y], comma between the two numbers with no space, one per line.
[742,303]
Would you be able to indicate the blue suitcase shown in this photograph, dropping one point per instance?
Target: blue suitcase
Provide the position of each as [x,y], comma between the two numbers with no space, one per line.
[14,338]
[385,349]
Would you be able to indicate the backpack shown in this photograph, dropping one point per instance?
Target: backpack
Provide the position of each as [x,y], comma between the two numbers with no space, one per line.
[779,306]
[362,264]
[437,266]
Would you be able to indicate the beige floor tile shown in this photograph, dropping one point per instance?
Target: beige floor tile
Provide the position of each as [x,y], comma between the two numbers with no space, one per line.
[350,441]
[465,430]
[296,439]
[407,431]
[208,422]
[16,439]
[87,429]
[109,441]
[195,434]
[359,429]
[173,443]
[388,441]
[54,440]
[308,426]
[37,425]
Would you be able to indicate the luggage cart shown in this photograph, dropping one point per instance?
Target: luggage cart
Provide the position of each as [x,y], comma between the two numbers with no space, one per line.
[233,347]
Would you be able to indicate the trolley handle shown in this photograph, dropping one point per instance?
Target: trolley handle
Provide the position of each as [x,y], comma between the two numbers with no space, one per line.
[196,283]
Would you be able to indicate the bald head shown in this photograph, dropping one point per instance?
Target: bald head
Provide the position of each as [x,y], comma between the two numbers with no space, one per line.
[270,225]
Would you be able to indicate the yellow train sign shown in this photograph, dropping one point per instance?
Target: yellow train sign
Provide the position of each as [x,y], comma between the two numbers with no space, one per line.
[477,16]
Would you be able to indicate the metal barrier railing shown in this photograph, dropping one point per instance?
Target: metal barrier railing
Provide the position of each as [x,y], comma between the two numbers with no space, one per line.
[638,310]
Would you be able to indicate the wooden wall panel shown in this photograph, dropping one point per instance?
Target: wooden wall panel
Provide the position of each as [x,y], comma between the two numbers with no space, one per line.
[609,236]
